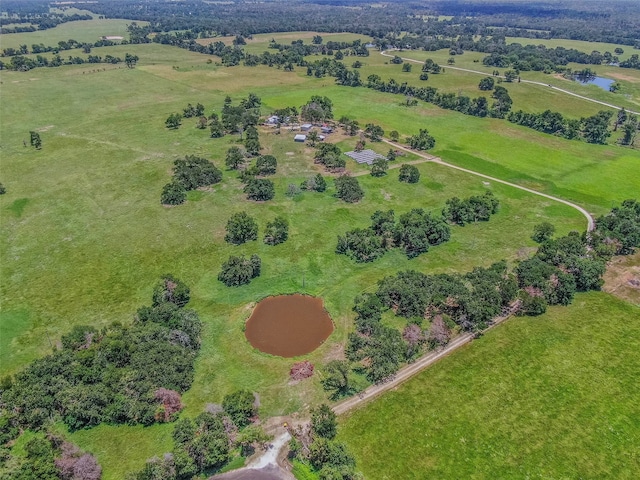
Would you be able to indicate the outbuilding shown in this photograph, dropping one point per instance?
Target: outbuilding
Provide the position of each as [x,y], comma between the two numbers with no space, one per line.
[300,138]
[305,127]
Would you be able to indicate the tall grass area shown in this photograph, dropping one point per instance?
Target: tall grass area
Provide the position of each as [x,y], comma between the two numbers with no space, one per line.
[84,237]
[547,397]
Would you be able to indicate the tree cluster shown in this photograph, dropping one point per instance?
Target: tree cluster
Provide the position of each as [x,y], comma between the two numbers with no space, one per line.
[348,188]
[49,457]
[207,441]
[237,271]
[189,173]
[414,232]
[477,208]
[112,375]
[330,156]
[314,444]
[593,129]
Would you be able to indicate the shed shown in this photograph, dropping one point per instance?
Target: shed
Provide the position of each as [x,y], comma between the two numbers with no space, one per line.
[305,127]
[326,129]
[300,138]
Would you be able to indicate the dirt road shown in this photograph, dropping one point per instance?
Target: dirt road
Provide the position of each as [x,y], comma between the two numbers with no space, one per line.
[567,92]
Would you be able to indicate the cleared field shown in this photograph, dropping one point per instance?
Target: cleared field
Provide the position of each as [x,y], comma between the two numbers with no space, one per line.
[534,97]
[81,31]
[547,397]
[84,237]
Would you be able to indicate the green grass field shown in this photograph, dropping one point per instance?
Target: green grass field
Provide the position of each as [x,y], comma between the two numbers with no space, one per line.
[84,237]
[548,397]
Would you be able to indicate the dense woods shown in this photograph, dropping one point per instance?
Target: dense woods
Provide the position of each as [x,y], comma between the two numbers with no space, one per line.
[111,375]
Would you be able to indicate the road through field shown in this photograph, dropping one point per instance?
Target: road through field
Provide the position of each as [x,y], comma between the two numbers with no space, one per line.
[438,160]
[567,92]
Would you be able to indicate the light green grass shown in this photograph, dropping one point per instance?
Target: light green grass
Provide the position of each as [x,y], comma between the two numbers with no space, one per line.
[547,397]
[81,31]
[84,237]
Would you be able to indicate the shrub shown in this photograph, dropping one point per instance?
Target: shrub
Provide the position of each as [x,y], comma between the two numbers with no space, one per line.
[348,189]
[277,231]
[266,165]
[409,173]
[238,271]
[173,194]
[241,228]
[260,189]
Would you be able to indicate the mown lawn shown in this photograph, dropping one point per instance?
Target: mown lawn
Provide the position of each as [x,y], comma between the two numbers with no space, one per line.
[547,397]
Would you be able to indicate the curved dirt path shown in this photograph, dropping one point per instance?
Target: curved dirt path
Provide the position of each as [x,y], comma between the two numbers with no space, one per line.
[532,82]
[430,158]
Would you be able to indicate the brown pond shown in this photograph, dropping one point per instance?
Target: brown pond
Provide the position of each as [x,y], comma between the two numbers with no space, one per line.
[288,325]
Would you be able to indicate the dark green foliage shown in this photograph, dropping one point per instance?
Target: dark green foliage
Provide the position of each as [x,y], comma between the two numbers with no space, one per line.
[406,67]
[396,60]
[112,375]
[348,189]
[502,103]
[35,140]
[193,172]
[548,122]
[3,189]
[260,189]
[379,167]
[417,230]
[327,454]
[238,271]
[337,379]
[486,83]
[240,406]
[234,159]
[318,109]
[171,289]
[409,173]
[323,422]
[173,121]
[316,183]
[80,337]
[595,129]
[422,141]
[201,443]
[251,142]
[173,194]
[619,230]
[241,228]
[329,155]
[374,132]
[277,231]
[39,462]
[363,245]
[266,165]
[191,111]
[543,232]
[472,209]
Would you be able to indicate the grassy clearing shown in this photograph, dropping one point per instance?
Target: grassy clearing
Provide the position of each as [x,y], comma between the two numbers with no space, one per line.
[528,97]
[84,237]
[81,30]
[549,397]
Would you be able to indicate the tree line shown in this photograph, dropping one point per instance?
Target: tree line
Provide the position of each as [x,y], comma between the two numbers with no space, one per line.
[435,306]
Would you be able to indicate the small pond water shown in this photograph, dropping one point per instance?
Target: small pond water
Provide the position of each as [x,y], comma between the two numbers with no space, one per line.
[603,83]
[288,325]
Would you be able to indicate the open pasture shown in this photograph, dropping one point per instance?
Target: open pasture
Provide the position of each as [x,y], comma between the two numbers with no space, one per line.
[84,237]
[547,397]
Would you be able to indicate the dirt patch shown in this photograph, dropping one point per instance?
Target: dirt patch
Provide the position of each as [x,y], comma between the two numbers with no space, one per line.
[288,325]
[44,129]
[622,76]
[622,278]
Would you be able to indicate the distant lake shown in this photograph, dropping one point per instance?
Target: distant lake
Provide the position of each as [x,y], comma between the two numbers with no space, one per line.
[603,83]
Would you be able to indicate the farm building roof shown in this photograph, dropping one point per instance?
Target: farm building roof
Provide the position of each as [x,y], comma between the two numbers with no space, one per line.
[365,156]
